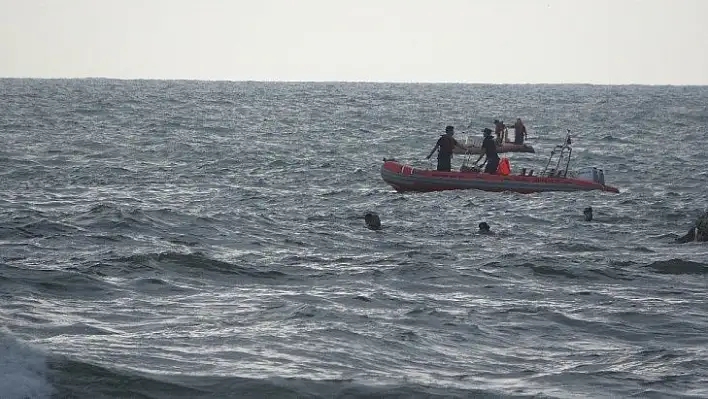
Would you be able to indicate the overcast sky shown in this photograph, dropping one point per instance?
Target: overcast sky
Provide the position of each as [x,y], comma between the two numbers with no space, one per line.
[475,41]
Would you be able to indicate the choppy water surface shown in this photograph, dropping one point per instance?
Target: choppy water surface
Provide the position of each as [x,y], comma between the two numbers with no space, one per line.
[192,239]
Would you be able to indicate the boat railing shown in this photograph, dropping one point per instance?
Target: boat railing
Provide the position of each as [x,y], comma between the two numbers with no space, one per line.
[473,141]
[564,152]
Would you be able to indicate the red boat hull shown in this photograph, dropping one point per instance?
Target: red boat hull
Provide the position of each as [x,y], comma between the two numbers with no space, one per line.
[407,178]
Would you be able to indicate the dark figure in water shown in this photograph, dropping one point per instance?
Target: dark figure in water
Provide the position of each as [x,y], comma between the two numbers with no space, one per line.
[445,145]
[490,151]
[698,232]
[372,221]
[588,213]
[484,228]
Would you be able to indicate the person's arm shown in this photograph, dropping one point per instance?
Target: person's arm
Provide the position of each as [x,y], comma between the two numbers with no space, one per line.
[483,152]
[433,151]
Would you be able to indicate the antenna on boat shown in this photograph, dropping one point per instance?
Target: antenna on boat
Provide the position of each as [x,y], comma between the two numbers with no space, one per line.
[562,147]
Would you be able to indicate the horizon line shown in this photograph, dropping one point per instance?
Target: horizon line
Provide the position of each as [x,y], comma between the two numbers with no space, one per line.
[325,81]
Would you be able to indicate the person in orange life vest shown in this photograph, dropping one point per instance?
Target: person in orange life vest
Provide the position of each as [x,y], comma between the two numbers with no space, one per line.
[519,132]
[503,168]
[490,150]
[445,145]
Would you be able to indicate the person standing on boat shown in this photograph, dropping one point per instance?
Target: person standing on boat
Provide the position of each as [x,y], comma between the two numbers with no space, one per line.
[499,129]
[519,132]
[490,150]
[446,143]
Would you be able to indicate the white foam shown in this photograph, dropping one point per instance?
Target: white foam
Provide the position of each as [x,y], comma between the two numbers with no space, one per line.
[23,370]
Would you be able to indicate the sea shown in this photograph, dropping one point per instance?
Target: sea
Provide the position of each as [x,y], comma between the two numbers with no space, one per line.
[206,239]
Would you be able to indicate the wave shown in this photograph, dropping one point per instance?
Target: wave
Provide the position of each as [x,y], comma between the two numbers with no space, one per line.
[192,264]
[23,370]
[77,379]
[576,247]
[57,283]
[106,216]
[551,271]
[612,138]
[44,228]
[157,286]
[106,221]
[678,266]
[614,274]
[30,223]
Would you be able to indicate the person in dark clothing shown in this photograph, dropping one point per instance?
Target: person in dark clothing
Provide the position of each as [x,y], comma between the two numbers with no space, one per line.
[519,132]
[499,130]
[445,145]
[490,150]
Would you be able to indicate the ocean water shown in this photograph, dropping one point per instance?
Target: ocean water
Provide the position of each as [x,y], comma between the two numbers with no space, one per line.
[169,239]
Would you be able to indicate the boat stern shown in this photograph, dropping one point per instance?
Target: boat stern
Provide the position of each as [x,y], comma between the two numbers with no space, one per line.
[595,175]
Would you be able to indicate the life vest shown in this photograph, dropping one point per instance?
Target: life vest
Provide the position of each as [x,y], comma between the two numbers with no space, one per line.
[504,169]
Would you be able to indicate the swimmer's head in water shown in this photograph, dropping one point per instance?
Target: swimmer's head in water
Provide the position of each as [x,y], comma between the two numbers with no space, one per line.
[588,213]
[483,226]
[372,221]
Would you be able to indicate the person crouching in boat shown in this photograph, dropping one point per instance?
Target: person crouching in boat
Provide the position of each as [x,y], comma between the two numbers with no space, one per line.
[445,145]
[489,148]
[519,132]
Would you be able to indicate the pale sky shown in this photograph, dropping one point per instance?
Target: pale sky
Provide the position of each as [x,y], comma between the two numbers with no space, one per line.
[469,41]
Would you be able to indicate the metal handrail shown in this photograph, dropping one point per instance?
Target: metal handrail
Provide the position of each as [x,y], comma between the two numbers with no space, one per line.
[562,147]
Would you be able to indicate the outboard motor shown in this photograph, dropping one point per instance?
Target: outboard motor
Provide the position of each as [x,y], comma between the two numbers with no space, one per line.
[592,174]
